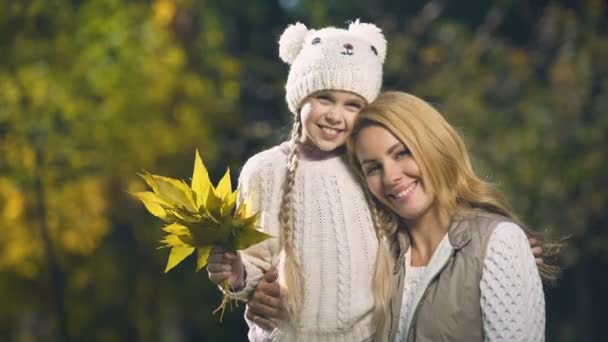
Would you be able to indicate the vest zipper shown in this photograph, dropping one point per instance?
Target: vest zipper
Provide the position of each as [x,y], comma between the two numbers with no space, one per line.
[426,291]
[400,284]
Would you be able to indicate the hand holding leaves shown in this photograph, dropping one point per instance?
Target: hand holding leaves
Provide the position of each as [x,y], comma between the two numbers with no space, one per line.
[199,216]
[225,266]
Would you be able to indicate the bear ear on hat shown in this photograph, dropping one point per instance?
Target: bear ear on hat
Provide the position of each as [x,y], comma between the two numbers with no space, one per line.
[372,34]
[292,42]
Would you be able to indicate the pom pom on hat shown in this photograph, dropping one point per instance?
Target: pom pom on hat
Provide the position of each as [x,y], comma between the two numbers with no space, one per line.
[332,59]
[292,41]
[372,34]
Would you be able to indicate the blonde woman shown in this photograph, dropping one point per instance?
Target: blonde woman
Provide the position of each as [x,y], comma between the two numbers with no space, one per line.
[458,257]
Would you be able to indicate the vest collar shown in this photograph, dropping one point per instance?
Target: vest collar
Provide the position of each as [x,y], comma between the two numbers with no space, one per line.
[459,232]
[459,235]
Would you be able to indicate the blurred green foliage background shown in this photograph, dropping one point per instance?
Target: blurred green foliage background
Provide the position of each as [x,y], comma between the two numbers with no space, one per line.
[92,92]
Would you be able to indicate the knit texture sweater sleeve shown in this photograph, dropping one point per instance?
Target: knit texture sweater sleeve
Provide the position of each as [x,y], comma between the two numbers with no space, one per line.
[512,298]
[254,186]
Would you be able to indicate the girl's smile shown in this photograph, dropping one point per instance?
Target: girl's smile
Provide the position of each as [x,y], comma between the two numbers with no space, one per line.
[328,117]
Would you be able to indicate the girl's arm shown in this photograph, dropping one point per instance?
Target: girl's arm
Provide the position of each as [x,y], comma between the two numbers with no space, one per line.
[512,298]
[260,257]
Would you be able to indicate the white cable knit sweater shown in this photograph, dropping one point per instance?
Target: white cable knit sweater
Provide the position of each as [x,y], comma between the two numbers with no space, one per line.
[512,299]
[334,240]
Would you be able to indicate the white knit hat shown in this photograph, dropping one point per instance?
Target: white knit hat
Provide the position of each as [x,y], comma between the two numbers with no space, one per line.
[332,59]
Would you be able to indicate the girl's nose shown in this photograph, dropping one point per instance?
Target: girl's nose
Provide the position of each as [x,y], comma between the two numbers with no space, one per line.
[348,46]
[332,117]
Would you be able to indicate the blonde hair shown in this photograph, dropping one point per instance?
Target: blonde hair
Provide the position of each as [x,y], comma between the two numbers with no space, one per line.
[444,161]
[293,278]
[385,224]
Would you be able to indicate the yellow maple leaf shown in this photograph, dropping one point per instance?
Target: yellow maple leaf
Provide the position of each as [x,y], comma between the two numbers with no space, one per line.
[201,215]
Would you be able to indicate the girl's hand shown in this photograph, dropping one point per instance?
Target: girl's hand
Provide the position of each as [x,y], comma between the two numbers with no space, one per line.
[224,265]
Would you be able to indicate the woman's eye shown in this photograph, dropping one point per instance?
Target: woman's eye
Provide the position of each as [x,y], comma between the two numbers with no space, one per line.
[403,154]
[371,170]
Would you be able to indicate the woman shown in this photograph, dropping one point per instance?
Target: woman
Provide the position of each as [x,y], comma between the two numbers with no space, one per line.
[460,261]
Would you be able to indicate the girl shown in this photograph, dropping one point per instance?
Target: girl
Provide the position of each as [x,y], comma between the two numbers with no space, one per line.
[461,264]
[308,198]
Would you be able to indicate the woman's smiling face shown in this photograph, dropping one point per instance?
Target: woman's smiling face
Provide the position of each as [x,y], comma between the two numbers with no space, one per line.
[392,174]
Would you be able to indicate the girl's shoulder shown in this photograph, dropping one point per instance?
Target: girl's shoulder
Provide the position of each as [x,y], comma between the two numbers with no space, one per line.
[267,160]
[276,153]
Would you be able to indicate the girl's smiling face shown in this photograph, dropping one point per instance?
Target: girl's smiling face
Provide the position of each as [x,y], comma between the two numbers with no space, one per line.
[328,117]
[392,174]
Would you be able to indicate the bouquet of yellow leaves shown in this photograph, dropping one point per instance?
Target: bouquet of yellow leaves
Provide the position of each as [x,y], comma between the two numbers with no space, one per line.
[200,216]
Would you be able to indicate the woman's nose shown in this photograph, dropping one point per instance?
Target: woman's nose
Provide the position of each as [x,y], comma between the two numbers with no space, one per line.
[392,174]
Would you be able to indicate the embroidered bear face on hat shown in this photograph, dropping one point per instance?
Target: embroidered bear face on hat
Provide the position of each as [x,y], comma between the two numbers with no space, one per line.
[332,59]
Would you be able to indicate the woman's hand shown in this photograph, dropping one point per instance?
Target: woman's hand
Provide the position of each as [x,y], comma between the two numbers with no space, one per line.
[537,250]
[224,265]
[265,307]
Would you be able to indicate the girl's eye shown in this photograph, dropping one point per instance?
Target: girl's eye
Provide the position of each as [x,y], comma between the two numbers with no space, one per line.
[354,106]
[323,98]
[316,41]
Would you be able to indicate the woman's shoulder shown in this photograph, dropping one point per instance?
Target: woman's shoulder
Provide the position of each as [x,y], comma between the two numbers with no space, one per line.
[481,216]
[510,233]
[483,229]
[507,243]
[477,221]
